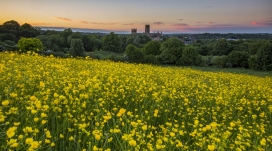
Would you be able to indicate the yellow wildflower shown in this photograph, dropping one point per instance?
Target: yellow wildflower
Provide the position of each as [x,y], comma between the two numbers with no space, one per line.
[5,103]
[11,132]
[132,143]
[121,112]
[211,147]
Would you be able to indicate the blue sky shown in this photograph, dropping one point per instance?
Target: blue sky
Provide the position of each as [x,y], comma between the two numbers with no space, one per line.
[182,16]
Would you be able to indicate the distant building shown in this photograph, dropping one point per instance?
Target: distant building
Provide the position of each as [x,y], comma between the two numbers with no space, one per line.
[134,31]
[154,36]
[147,29]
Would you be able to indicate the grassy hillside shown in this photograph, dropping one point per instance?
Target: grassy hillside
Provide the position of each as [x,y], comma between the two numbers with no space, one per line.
[104,54]
[84,104]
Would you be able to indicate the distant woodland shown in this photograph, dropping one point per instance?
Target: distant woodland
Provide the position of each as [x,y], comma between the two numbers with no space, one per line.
[252,51]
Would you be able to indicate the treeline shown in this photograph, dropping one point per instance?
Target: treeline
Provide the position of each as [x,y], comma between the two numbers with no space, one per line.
[12,31]
[254,54]
[139,48]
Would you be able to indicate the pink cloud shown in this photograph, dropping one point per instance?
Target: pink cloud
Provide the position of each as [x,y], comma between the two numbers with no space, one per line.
[180,25]
[130,24]
[61,18]
[261,23]
[158,23]
[83,21]
[97,23]
[210,23]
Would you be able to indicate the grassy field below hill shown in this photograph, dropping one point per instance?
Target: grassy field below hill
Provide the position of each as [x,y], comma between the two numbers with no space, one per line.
[69,104]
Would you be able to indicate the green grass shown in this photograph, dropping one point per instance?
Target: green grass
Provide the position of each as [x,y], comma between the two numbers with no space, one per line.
[105,54]
[235,70]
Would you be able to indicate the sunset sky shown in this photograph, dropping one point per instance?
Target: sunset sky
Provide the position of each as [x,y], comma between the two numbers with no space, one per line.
[168,16]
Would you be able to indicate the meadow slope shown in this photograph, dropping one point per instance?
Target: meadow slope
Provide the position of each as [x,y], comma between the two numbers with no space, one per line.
[72,104]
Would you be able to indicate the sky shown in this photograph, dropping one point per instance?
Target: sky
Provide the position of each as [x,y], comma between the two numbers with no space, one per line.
[168,16]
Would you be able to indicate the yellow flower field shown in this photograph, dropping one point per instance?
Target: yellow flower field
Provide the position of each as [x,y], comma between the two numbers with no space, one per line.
[71,104]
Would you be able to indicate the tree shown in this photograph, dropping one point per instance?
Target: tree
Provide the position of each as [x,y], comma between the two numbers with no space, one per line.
[2,30]
[220,61]
[56,43]
[264,55]
[134,54]
[7,36]
[53,42]
[8,45]
[30,44]
[201,48]
[221,47]
[140,40]
[65,33]
[76,48]
[190,56]
[171,51]
[11,25]
[88,43]
[254,46]
[112,42]
[26,30]
[252,62]
[238,59]
[151,59]
[124,41]
[51,32]
[76,35]
[152,48]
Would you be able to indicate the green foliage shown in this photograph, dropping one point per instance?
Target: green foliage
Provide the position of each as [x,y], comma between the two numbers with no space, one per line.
[112,42]
[263,58]
[8,45]
[51,32]
[171,51]
[152,48]
[253,63]
[89,43]
[264,55]
[238,59]
[123,41]
[11,25]
[202,49]
[8,36]
[55,54]
[77,48]
[66,32]
[190,56]
[220,61]
[151,59]
[27,31]
[55,43]
[206,61]
[105,55]
[117,58]
[140,40]
[76,35]
[30,44]
[221,47]
[238,45]
[254,46]
[134,54]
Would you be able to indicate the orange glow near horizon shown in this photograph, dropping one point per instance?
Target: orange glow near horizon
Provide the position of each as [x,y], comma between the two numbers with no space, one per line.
[123,15]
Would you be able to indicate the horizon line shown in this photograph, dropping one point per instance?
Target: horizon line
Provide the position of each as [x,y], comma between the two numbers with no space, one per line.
[129,32]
